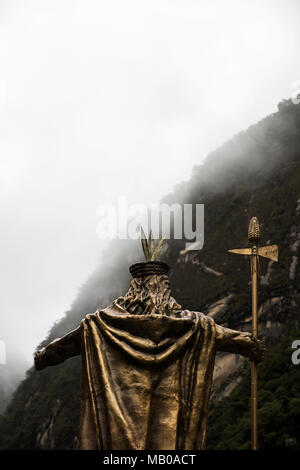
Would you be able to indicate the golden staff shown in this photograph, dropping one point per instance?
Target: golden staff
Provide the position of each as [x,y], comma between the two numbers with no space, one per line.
[254,252]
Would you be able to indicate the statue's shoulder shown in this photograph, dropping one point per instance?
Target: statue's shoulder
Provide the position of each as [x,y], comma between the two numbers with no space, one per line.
[90,317]
[188,314]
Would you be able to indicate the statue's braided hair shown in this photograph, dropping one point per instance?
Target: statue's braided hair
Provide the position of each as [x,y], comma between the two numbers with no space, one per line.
[150,295]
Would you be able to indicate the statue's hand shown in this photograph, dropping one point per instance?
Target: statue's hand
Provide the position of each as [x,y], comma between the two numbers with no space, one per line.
[258,350]
[38,359]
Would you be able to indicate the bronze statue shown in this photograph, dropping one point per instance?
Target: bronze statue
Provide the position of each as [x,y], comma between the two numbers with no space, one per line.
[147,365]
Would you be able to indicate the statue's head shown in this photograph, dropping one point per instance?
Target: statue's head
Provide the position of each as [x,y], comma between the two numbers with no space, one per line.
[149,291]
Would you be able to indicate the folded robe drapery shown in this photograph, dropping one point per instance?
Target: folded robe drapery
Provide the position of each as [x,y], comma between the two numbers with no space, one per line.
[146,380]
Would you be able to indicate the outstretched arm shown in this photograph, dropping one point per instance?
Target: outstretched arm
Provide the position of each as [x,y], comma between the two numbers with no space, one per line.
[239,342]
[59,350]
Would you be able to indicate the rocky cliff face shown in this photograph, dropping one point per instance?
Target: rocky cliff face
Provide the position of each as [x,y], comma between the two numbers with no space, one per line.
[256,173]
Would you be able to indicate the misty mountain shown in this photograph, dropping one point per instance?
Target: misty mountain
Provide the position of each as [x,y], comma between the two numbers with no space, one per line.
[256,173]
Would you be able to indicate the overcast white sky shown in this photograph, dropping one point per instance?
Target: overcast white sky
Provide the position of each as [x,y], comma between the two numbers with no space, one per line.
[106,98]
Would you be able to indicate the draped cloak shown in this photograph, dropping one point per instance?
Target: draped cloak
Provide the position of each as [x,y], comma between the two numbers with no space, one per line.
[146,380]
